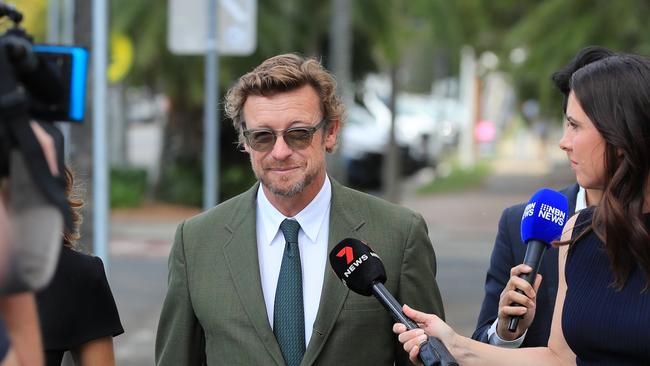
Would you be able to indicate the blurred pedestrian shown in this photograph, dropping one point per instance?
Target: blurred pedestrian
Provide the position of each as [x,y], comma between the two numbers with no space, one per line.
[602,312]
[248,279]
[77,310]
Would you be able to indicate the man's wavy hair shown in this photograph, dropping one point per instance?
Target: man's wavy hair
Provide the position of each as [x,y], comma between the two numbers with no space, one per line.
[280,74]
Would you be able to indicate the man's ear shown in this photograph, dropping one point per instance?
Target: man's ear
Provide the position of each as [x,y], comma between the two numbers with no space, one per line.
[331,134]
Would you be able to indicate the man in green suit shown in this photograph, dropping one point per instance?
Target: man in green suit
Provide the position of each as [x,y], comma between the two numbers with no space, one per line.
[249,282]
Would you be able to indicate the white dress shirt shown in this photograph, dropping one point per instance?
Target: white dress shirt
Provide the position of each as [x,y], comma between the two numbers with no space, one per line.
[312,240]
[493,336]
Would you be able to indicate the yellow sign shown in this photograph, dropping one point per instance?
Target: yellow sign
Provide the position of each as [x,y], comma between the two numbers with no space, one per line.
[121,57]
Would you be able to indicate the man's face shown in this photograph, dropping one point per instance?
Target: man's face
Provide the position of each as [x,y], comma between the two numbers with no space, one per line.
[285,172]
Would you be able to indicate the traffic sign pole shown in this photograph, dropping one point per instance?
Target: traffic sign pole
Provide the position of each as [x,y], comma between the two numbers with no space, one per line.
[210,120]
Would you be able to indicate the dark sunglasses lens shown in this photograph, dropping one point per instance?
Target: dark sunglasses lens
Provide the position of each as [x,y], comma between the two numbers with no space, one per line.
[298,138]
[261,140]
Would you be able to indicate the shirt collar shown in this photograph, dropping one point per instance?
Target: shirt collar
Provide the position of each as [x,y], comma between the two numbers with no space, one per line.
[581,199]
[310,218]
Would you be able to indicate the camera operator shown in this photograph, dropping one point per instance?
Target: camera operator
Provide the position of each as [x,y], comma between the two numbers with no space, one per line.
[18,307]
[33,207]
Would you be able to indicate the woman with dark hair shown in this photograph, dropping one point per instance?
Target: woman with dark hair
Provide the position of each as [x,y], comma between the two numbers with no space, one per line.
[77,310]
[602,311]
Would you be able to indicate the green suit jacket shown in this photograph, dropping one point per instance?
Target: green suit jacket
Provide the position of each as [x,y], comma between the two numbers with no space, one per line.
[214,312]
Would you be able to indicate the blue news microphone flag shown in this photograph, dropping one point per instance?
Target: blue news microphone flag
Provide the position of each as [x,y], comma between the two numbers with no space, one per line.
[542,223]
[544,216]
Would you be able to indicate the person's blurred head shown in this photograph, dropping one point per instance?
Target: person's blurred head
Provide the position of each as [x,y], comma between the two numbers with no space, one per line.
[562,77]
[284,73]
[71,236]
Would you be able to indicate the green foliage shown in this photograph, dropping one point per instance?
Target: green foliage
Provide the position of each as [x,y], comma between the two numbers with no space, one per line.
[235,180]
[182,183]
[459,179]
[128,187]
[554,31]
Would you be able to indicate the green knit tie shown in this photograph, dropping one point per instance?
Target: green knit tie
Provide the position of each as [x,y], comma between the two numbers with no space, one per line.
[288,312]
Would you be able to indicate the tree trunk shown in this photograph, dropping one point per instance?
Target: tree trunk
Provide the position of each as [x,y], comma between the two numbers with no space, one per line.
[391,162]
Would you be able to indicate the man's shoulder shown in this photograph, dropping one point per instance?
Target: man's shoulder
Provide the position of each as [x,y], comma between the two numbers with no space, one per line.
[367,204]
[225,211]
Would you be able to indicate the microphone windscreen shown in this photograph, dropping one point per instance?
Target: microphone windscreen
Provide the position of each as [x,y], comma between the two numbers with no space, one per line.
[357,265]
[544,216]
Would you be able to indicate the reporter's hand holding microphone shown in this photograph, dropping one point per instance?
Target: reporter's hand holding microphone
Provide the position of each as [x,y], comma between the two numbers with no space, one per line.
[361,270]
[513,303]
[542,223]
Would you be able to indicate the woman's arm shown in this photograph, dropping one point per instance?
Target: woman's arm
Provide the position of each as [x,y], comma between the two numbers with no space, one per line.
[98,352]
[470,352]
[10,359]
[556,341]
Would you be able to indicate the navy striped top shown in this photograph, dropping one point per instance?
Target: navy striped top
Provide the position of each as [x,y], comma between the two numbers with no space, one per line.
[604,326]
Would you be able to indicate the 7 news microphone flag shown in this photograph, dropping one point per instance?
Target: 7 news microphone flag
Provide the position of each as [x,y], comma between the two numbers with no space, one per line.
[361,270]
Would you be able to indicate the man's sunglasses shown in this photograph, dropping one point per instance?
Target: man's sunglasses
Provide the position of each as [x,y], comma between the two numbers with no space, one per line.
[297,138]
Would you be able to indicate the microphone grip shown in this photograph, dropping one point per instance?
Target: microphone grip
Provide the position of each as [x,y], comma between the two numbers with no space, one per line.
[432,352]
[533,258]
[390,303]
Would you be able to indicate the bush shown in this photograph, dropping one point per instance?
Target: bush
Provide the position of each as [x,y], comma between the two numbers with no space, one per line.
[183,182]
[128,187]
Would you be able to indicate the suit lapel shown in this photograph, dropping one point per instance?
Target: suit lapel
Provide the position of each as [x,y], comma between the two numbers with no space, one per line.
[243,265]
[344,223]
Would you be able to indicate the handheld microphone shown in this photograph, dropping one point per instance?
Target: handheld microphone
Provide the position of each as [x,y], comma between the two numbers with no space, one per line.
[542,223]
[361,270]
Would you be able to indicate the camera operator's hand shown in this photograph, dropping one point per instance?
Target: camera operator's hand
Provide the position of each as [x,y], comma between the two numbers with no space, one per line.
[47,144]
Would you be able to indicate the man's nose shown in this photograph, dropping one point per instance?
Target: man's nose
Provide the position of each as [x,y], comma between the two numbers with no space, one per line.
[280,149]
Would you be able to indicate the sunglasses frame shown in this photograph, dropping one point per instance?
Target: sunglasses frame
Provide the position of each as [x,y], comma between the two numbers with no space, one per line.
[311,130]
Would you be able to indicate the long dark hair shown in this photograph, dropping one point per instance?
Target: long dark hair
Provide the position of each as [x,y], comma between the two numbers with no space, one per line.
[615,93]
[71,236]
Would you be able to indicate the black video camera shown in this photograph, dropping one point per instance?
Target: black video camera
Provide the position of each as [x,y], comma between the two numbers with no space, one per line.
[49,81]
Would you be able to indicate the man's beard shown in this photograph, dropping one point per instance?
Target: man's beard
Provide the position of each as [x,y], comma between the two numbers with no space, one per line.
[291,191]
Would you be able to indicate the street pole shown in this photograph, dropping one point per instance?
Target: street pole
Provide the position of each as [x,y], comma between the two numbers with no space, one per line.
[100,166]
[340,54]
[210,120]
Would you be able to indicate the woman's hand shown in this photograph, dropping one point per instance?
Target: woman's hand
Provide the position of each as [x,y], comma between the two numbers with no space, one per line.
[509,295]
[430,325]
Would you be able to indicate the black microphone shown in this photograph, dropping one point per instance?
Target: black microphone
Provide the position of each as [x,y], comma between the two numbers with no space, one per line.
[361,270]
[542,223]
